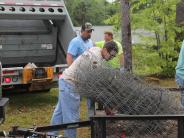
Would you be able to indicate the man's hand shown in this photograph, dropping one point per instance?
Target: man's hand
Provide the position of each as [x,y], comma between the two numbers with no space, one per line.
[109,111]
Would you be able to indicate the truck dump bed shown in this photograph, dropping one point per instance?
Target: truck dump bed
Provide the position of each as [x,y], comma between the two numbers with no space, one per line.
[34,31]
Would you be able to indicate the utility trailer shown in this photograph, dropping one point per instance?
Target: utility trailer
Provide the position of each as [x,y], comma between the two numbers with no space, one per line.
[105,127]
[34,35]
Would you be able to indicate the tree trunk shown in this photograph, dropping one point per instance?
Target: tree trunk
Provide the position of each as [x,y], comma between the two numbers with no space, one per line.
[126,35]
[157,36]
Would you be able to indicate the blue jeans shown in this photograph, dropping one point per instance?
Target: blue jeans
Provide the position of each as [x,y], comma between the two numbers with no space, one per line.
[67,109]
[180,82]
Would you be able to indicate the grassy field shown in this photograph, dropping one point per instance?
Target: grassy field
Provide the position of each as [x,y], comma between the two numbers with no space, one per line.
[30,109]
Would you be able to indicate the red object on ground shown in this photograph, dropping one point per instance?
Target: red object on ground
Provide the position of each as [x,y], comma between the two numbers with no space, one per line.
[123,135]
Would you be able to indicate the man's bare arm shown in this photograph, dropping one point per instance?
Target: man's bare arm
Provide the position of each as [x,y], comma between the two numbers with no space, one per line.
[69,59]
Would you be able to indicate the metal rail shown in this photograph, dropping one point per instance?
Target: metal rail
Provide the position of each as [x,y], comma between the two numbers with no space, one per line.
[97,124]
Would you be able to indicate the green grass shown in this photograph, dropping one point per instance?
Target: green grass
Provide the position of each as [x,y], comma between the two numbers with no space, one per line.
[35,109]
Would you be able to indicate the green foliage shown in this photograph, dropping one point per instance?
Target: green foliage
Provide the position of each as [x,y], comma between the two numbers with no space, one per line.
[114,19]
[157,16]
[145,60]
[94,11]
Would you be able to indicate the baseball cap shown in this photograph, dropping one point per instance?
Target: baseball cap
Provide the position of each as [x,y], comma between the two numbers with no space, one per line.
[108,32]
[87,26]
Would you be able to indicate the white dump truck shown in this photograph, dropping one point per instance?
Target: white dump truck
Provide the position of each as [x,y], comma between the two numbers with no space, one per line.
[34,36]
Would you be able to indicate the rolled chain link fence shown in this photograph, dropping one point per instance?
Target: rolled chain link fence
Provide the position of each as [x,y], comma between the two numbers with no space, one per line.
[128,95]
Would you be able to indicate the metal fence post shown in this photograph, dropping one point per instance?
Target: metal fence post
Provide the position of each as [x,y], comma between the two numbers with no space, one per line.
[98,127]
[92,128]
[1,108]
[181,127]
[0,80]
[104,128]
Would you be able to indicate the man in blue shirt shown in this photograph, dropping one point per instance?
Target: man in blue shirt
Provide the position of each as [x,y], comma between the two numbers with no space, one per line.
[77,46]
[80,43]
